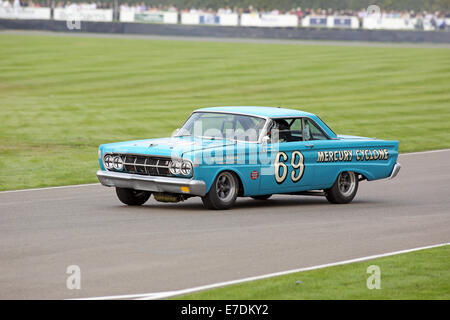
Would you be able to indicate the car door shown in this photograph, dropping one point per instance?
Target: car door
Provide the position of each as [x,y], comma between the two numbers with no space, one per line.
[287,166]
[319,143]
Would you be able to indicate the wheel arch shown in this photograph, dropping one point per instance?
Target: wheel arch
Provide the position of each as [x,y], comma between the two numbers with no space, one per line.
[241,191]
[363,173]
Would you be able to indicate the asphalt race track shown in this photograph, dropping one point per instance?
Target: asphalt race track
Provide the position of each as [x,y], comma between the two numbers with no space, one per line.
[160,247]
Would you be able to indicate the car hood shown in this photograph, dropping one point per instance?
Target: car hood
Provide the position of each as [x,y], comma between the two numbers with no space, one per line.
[170,147]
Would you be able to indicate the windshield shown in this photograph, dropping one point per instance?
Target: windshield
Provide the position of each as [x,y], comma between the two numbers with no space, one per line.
[212,125]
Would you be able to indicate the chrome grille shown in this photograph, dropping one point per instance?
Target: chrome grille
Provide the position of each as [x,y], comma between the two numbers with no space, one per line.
[145,165]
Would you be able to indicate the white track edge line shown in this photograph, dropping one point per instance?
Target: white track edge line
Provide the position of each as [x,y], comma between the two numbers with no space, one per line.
[166,294]
[93,184]
[423,152]
[50,188]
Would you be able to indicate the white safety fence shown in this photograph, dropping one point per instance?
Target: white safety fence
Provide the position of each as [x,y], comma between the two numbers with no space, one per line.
[398,23]
[225,19]
[389,23]
[76,14]
[347,22]
[372,22]
[25,13]
[268,20]
[130,15]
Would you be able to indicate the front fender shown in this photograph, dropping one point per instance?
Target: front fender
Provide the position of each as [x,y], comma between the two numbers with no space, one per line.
[208,174]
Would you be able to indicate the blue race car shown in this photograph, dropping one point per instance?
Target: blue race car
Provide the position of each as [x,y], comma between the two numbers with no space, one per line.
[222,153]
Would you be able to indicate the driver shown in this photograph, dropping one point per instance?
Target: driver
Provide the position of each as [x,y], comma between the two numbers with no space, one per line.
[282,128]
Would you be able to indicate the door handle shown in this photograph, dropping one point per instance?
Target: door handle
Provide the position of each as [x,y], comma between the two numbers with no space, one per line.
[309,145]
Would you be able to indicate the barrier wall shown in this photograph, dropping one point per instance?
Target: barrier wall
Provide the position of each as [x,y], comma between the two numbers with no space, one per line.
[232,32]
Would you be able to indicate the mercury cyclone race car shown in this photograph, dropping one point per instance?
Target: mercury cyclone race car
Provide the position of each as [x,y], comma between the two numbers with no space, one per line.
[222,153]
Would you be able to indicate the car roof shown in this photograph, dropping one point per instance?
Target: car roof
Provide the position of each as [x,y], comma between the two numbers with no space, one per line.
[270,112]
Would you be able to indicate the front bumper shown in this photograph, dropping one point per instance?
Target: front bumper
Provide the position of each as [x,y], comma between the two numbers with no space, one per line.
[395,171]
[152,183]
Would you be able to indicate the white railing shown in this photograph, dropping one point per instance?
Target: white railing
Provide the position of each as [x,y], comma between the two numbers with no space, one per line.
[76,13]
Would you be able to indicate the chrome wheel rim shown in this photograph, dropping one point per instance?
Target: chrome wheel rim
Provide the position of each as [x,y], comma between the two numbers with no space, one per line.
[225,187]
[347,183]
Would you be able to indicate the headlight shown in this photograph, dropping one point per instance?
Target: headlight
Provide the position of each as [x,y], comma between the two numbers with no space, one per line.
[108,161]
[111,161]
[118,163]
[175,167]
[186,168]
[180,167]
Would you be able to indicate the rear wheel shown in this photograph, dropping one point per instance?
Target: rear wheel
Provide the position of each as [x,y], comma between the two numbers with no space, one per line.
[223,192]
[264,197]
[132,197]
[344,189]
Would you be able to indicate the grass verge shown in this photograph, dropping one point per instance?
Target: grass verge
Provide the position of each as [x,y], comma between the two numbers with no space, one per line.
[423,274]
[60,97]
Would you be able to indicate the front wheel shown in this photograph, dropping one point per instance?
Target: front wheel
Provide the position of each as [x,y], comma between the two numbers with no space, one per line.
[344,189]
[132,197]
[223,192]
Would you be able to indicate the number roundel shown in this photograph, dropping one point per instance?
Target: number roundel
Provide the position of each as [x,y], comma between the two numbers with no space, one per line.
[281,169]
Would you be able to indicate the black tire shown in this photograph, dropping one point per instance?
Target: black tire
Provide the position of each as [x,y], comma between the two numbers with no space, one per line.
[223,192]
[132,197]
[264,197]
[344,188]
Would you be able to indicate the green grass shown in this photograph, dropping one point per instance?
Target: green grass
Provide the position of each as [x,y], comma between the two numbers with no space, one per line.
[60,97]
[420,275]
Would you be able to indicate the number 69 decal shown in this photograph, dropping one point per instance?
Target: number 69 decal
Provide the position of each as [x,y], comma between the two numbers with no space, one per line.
[281,169]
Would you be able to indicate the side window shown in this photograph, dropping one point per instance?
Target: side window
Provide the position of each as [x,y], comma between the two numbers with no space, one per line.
[296,129]
[312,132]
[285,130]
